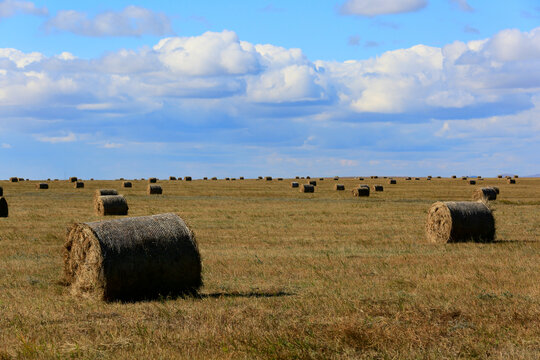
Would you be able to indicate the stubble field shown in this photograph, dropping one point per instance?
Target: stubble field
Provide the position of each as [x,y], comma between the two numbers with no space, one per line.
[286,275]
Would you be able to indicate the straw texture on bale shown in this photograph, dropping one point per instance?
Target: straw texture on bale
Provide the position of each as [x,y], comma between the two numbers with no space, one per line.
[103,192]
[132,258]
[152,180]
[378,188]
[73,179]
[294,184]
[392,181]
[154,190]
[487,193]
[339,187]
[79,185]
[111,205]
[450,222]
[1,191]
[511,181]
[361,191]
[14,179]
[313,182]
[187,178]
[3,207]
[472,182]
[127,184]
[307,188]
[42,186]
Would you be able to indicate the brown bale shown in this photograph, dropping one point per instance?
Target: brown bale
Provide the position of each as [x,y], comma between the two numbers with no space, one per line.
[511,181]
[374,177]
[172,177]
[339,187]
[259,177]
[472,182]
[307,188]
[321,179]
[127,184]
[279,179]
[313,182]
[438,177]
[241,178]
[361,178]
[378,188]
[233,179]
[463,178]
[214,178]
[428,179]
[21,179]
[308,177]
[336,178]
[73,179]
[392,181]
[499,176]
[416,178]
[361,191]
[515,176]
[1,191]
[205,178]
[450,222]
[294,184]
[111,205]
[187,178]
[484,194]
[42,186]
[79,185]
[132,258]
[227,178]
[14,179]
[103,192]
[154,190]
[268,178]
[454,176]
[3,207]
[152,180]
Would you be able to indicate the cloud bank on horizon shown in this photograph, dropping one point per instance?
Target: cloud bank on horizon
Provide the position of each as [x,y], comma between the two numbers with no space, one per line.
[216,103]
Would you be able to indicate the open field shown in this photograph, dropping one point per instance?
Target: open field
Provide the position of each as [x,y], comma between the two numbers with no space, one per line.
[287,275]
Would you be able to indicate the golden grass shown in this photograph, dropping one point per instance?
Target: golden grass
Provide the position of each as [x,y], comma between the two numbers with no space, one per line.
[287,275]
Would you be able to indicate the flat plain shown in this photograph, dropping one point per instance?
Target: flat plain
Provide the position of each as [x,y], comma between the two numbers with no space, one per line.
[286,275]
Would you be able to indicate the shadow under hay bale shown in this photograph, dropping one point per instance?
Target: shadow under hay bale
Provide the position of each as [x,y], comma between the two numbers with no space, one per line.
[154,190]
[79,185]
[450,222]
[294,184]
[339,187]
[111,205]
[42,186]
[14,179]
[361,191]
[3,207]
[392,181]
[132,259]
[152,180]
[378,188]
[307,188]
[127,184]
[485,194]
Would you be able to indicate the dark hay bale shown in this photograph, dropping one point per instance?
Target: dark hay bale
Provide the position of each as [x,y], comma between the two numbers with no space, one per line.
[308,177]
[361,178]
[496,189]
[268,178]
[361,191]
[454,176]
[378,188]
[3,207]
[294,184]
[127,184]
[463,178]
[438,177]
[154,190]
[408,178]
[301,177]
[499,176]
[21,179]
[279,179]
[79,185]
[339,187]
[307,188]
[42,186]
[321,179]
[416,178]
[429,176]
[172,177]
[205,178]
[233,179]
[241,178]
[73,179]
[133,258]
[428,179]
[484,194]
[14,179]
[297,177]
[511,181]
[152,180]
[187,178]
[1,191]
[214,178]
[111,205]
[227,178]
[450,222]
[515,176]
[103,192]
[336,178]
[259,177]
[313,182]
[392,181]
[472,182]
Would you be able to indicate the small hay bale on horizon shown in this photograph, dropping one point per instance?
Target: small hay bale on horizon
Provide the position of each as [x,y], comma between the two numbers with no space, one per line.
[339,187]
[451,222]
[294,184]
[78,185]
[111,205]
[268,178]
[307,188]
[127,184]
[152,180]
[42,186]
[392,181]
[214,178]
[408,178]
[73,179]
[485,194]
[499,176]
[454,177]
[172,177]
[511,181]
[4,211]
[241,178]
[154,190]
[336,178]
[205,178]
[378,188]
[133,258]
[187,178]
[14,179]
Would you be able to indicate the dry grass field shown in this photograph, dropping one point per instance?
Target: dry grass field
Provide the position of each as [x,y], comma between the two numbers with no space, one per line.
[287,275]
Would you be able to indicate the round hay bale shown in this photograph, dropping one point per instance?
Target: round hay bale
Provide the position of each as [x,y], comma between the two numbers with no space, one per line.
[511,181]
[336,178]
[294,184]
[187,178]
[361,191]
[392,181]
[233,179]
[268,178]
[152,180]
[1,191]
[361,179]
[21,179]
[313,182]
[378,188]
[127,184]
[111,205]
[3,207]
[79,185]
[454,176]
[154,190]
[408,178]
[279,179]
[496,189]
[103,192]
[472,182]
[73,179]
[227,179]
[241,178]
[297,177]
[307,188]
[499,176]
[374,177]
[485,194]
[14,179]
[308,177]
[321,179]
[515,176]
[259,177]
[132,258]
[42,186]
[450,222]
[463,178]
[339,187]
[428,179]
[214,178]
[172,177]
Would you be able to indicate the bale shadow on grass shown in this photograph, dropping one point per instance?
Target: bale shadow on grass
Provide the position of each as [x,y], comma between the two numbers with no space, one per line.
[242,294]
[501,241]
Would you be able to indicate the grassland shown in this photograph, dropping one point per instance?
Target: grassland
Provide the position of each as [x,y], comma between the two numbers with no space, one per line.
[287,275]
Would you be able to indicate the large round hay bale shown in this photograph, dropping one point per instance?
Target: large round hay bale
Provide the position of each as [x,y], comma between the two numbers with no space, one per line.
[3,207]
[227,179]
[307,188]
[472,182]
[152,180]
[487,193]
[294,184]
[516,176]
[127,184]
[187,178]
[73,179]
[1,191]
[308,177]
[79,185]
[154,190]
[42,186]
[361,191]
[449,222]
[511,181]
[378,188]
[111,205]
[313,182]
[339,187]
[132,258]
[268,178]
[392,181]
[14,179]
[297,177]
[496,189]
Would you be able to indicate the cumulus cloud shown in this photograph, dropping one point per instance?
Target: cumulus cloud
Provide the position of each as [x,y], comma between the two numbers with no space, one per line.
[9,8]
[381,7]
[131,21]
[70,137]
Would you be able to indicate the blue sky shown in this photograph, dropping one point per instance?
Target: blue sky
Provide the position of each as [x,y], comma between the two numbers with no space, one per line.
[282,88]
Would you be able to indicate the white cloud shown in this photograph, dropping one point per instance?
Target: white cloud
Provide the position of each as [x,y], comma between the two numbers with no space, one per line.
[6,146]
[70,137]
[111,145]
[9,8]
[19,58]
[131,21]
[381,7]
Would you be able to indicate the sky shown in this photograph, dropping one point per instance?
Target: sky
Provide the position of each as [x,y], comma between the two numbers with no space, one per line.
[281,88]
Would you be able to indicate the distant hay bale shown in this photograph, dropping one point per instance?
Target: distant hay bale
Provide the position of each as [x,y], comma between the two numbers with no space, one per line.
[154,190]
[227,178]
[214,178]
[499,176]
[205,178]
[321,179]
[42,186]
[307,188]
[511,181]
[132,258]
[301,177]
[361,191]
[3,207]
[339,187]
[454,176]
[233,179]
[515,176]
[374,177]
[450,222]
[313,182]
[378,188]
[429,176]
[297,177]
[485,194]
[416,178]
[79,185]
[308,177]
[152,180]
[408,178]
[1,191]
[241,178]
[361,178]
[268,178]
[463,178]
[111,205]
[472,182]
[73,179]
[21,179]
[187,178]
[279,179]
[294,184]
[392,181]
[438,177]
[259,177]
[172,177]
[127,184]
[428,179]
[336,178]
[14,179]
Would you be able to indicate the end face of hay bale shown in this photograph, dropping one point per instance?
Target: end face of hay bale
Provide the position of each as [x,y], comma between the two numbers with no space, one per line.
[313,182]
[14,179]
[307,188]
[127,184]
[294,184]
[172,177]
[511,181]
[392,181]
[268,178]
[454,176]
[187,178]
[132,258]
[485,194]
[378,188]
[361,191]
[111,205]
[214,178]
[339,187]
[472,182]
[408,178]
[42,186]
[1,191]
[205,178]
[241,178]
[450,222]
[73,179]
[3,207]
[79,185]
[154,190]
[152,180]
